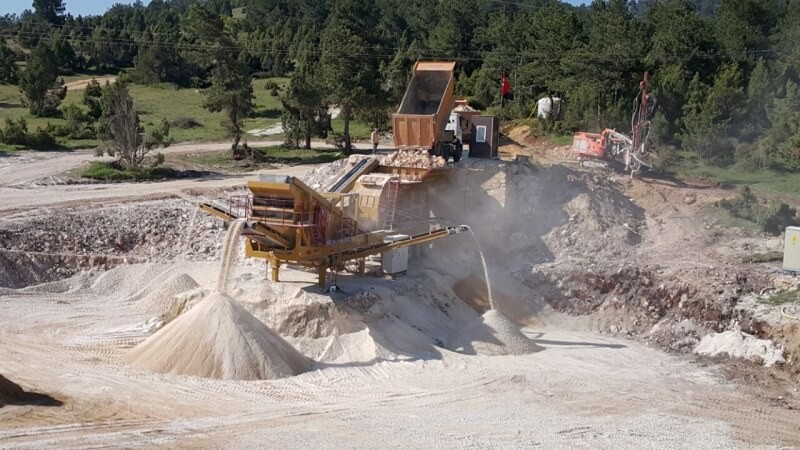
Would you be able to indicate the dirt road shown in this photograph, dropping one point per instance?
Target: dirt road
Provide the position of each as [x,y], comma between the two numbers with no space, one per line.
[21,167]
[79,85]
[15,200]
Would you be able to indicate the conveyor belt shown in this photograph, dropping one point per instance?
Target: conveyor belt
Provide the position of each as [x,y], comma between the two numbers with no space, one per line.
[362,167]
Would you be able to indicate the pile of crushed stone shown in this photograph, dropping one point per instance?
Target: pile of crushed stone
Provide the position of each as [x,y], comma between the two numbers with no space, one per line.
[218,338]
[413,158]
[323,177]
[493,334]
[387,339]
[9,391]
[163,298]
[736,344]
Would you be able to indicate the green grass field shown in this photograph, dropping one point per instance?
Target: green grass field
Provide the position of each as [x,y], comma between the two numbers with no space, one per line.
[782,184]
[269,156]
[167,101]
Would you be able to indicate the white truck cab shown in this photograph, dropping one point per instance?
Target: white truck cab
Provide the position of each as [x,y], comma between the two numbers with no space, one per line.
[454,125]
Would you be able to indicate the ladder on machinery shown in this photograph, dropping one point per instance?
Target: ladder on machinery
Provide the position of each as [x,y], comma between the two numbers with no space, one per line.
[388,220]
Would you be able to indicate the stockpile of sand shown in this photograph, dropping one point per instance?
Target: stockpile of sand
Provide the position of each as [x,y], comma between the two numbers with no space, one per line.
[387,339]
[9,391]
[218,338]
[493,334]
[163,298]
[736,344]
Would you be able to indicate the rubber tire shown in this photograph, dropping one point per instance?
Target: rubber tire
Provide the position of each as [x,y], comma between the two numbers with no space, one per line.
[445,152]
[458,153]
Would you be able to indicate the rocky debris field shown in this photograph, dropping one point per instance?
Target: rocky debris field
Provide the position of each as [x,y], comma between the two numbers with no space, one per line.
[623,257]
[58,242]
[619,256]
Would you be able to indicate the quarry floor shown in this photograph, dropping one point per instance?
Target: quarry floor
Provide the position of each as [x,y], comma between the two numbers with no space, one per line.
[588,389]
[585,390]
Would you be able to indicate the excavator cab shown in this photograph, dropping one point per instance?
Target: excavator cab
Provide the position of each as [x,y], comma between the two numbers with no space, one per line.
[588,145]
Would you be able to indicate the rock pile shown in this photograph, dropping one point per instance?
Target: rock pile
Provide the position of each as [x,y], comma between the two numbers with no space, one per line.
[413,158]
[736,344]
[493,334]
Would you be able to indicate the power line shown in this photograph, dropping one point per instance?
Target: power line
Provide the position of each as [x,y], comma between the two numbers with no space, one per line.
[519,56]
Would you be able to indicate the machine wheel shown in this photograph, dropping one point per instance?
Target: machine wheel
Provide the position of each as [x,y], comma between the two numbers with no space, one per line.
[445,152]
[459,151]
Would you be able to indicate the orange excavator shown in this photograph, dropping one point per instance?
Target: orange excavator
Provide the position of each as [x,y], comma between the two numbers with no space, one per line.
[612,148]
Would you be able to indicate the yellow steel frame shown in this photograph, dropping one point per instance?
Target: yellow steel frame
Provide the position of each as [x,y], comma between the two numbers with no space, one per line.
[293,235]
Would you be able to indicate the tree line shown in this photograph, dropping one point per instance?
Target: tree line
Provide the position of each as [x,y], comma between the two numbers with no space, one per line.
[724,73]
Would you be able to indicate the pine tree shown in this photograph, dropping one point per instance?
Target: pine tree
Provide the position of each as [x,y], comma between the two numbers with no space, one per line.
[231,92]
[42,89]
[305,113]
[50,11]
[8,64]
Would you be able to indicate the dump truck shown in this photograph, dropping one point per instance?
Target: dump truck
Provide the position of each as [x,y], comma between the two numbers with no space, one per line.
[421,121]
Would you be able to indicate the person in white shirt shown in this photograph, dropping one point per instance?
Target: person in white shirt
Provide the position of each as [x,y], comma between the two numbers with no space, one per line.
[375,139]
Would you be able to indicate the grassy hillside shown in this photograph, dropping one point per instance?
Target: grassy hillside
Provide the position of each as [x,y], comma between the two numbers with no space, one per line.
[783,184]
[167,101]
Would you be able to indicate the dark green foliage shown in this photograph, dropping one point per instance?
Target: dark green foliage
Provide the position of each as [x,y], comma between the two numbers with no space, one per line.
[185,123]
[231,90]
[50,11]
[8,67]
[115,171]
[772,217]
[92,99]
[725,72]
[39,83]
[65,56]
[305,113]
[80,125]
[16,133]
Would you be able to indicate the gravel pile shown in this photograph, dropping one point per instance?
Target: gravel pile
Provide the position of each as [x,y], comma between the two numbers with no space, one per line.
[218,338]
[493,334]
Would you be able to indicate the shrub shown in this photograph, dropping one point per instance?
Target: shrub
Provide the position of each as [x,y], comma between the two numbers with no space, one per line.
[42,139]
[79,124]
[158,160]
[185,123]
[752,156]
[15,132]
[113,171]
[261,75]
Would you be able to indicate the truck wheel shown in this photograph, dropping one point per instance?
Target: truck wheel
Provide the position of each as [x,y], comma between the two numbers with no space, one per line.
[457,154]
[445,153]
